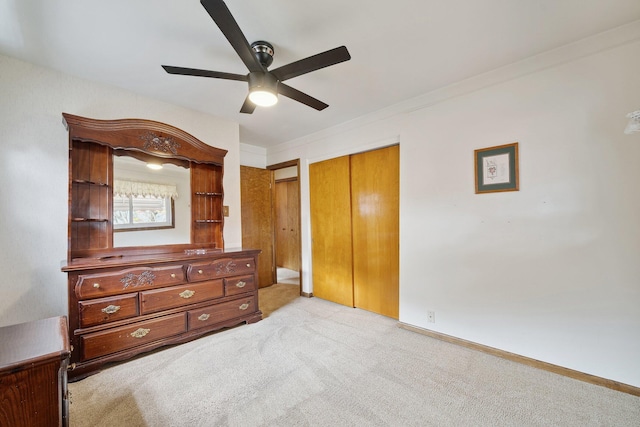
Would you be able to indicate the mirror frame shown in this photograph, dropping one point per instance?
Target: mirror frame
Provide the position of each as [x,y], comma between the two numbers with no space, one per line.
[141,139]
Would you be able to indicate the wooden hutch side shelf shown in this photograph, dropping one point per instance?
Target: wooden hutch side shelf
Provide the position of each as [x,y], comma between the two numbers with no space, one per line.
[126,301]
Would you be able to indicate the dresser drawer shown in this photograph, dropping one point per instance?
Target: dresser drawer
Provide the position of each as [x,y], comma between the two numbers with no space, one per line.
[176,296]
[220,312]
[239,285]
[220,268]
[103,310]
[130,280]
[117,339]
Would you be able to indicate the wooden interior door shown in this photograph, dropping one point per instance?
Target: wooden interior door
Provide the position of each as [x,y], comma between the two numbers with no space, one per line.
[330,199]
[257,219]
[287,208]
[375,206]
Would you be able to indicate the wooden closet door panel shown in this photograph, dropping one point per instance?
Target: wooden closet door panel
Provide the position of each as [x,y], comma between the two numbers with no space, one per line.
[375,223]
[257,219]
[282,226]
[293,214]
[287,204]
[330,199]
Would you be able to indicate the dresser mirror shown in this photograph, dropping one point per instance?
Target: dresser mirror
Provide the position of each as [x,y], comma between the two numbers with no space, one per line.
[133,179]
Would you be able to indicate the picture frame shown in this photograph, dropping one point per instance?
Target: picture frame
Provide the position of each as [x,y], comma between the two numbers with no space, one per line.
[496,169]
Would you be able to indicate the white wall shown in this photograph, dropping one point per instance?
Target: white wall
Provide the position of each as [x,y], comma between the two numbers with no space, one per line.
[255,157]
[34,176]
[550,272]
[285,173]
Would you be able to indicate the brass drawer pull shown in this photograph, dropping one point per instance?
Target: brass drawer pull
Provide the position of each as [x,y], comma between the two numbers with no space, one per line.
[110,309]
[248,265]
[96,285]
[241,284]
[244,306]
[173,275]
[200,271]
[203,317]
[187,294]
[140,332]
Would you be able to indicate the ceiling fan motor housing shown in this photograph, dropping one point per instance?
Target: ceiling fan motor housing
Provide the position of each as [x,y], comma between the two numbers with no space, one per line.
[264,51]
[263,81]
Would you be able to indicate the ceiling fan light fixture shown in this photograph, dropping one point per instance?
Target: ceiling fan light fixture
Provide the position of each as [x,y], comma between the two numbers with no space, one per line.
[264,85]
[263,89]
[263,98]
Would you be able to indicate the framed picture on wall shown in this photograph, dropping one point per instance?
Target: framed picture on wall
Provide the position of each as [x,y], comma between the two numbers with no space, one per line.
[496,168]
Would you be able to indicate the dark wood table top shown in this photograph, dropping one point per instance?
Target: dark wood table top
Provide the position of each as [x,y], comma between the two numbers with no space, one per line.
[32,343]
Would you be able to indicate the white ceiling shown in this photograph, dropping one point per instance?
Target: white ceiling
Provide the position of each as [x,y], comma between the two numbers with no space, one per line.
[400,49]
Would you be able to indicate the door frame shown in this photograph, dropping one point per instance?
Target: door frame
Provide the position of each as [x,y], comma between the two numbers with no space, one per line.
[273,168]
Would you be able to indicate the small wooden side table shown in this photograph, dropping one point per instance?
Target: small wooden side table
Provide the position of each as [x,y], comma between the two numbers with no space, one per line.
[34,357]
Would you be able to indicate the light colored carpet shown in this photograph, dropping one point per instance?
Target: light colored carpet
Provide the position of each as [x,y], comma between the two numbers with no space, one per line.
[315,363]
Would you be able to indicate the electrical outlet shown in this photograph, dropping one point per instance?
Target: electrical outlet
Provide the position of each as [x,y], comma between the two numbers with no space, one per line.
[431,316]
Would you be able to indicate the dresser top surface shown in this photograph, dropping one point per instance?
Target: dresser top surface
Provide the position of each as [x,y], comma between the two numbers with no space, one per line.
[138,260]
[32,343]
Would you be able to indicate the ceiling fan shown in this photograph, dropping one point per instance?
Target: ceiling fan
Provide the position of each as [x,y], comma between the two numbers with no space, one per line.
[264,84]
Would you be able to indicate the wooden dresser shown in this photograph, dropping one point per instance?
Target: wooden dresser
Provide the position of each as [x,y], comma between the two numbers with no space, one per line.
[122,307]
[124,301]
[33,373]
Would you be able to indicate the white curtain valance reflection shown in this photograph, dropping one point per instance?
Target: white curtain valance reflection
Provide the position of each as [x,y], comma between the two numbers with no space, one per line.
[137,188]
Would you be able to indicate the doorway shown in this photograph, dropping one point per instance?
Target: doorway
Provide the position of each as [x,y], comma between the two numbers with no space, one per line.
[286,197]
[270,201]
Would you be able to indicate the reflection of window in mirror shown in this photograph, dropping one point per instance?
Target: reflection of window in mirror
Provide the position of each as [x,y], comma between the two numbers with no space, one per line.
[137,212]
[171,180]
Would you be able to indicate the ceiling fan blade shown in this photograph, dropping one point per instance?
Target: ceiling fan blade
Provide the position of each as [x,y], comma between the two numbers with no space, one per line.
[222,17]
[302,97]
[203,73]
[312,63]
[248,107]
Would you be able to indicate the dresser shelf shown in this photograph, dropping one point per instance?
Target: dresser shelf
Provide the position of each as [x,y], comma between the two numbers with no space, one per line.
[83,181]
[200,193]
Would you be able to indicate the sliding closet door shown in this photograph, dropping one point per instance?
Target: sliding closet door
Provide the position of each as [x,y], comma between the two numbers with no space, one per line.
[375,224]
[330,198]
